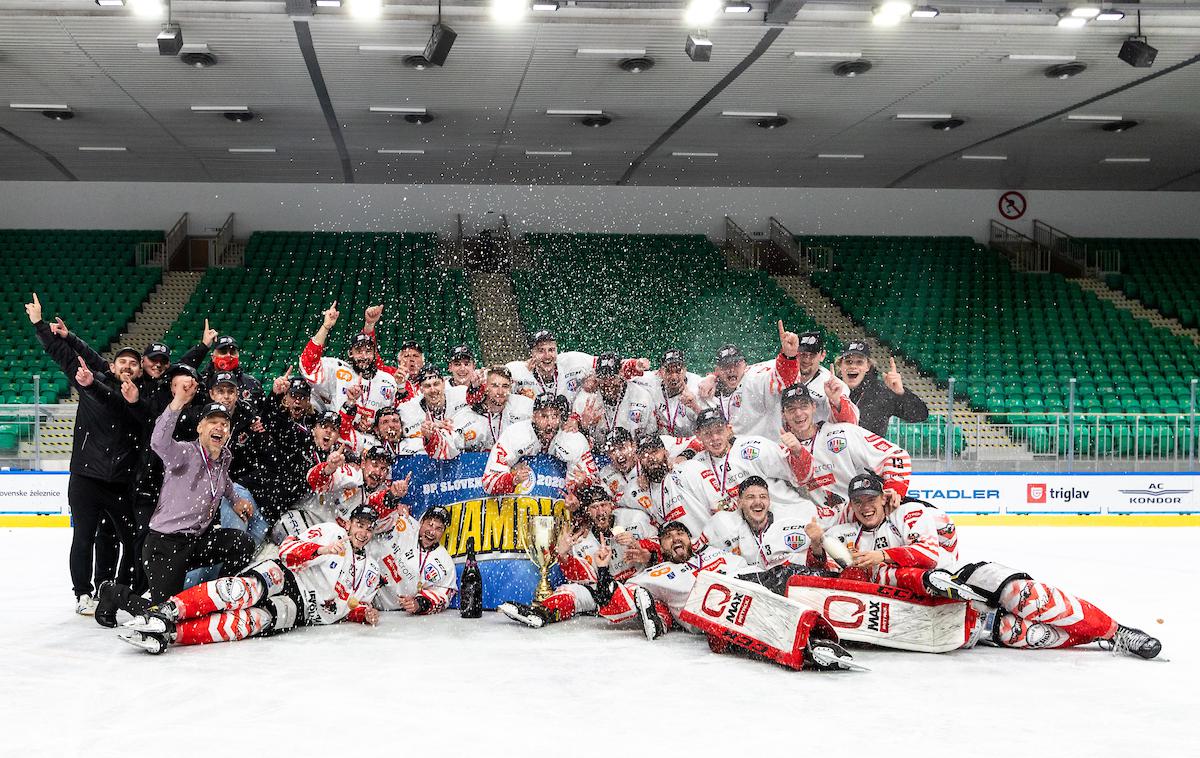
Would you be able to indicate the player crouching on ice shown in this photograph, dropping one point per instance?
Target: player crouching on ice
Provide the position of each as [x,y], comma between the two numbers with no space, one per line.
[319,578]
[1008,608]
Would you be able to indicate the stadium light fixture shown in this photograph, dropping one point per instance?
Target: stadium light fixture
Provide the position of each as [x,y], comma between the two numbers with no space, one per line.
[147,8]
[890,13]
[738,7]
[545,7]
[923,116]
[397,109]
[38,107]
[1047,58]
[687,154]
[1085,11]
[701,12]
[925,11]
[366,9]
[1093,117]
[110,4]
[549,153]
[1125,160]
[399,151]
[1067,21]
[99,149]
[328,3]
[966,157]
[509,11]
[1110,14]
[251,149]
[573,112]
[824,54]
[749,114]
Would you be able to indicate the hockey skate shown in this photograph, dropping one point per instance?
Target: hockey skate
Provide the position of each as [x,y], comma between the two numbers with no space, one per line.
[85,605]
[1134,642]
[152,621]
[941,583]
[652,623]
[826,655]
[152,643]
[530,615]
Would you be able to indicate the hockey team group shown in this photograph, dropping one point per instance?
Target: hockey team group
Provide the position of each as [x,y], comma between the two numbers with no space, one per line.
[744,502]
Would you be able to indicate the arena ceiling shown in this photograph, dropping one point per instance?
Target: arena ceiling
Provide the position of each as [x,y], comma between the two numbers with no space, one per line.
[311,80]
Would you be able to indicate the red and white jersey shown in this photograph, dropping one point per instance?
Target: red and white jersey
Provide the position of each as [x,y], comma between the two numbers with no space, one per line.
[624,488]
[823,413]
[714,481]
[409,570]
[633,411]
[671,501]
[580,567]
[456,398]
[573,367]
[475,431]
[520,441]
[355,440]
[908,536]
[331,586]
[331,378]
[670,583]
[412,415]
[670,413]
[783,541]
[752,408]
[838,453]
[333,494]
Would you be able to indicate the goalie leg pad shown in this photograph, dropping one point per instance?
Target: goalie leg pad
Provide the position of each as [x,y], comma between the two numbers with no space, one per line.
[284,614]
[1012,631]
[988,579]
[620,608]
[1036,602]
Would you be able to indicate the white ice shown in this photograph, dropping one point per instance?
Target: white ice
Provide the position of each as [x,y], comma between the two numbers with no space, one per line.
[446,686]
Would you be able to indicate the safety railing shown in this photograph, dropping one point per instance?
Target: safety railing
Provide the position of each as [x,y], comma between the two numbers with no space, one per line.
[741,242]
[22,425]
[224,250]
[1025,253]
[783,239]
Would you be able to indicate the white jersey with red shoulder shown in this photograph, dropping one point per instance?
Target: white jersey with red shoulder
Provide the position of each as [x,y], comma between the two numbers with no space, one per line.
[908,536]
[714,481]
[670,583]
[671,414]
[580,565]
[409,570]
[567,380]
[782,541]
[413,414]
[477,429]
[330,585]
[331,379]
[333,494]
[838,453]
[670,501]
[520,441]
[633,411]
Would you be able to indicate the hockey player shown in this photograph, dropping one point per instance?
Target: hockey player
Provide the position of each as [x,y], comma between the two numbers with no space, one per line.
[319,578]
[675,393]
[379,490]
[549,372]
[901,548]
[418,573]
[613,544]
[389,431]
[669,500]
[621,477]
[543,433]
[465,382]
[425,416]
[764,533]
[617,403]
[478,427]
[331,378]
[826,456]
[713,476]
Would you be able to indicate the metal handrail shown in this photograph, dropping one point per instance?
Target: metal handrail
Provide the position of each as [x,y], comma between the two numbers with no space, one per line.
[783,239]
[742,243]
[222,242]
[1025,253]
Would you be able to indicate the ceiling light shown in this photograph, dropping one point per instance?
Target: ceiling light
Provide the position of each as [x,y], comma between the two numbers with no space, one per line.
[509,11]
[88,149]
[396,49]
[1065,70]
[966,157]
[418,62]
[607,52]
[772,122]
[366,9]
[851,69]
[1119,126]
[553,153]
[699,48]
[821,54]
[596,122]
[1125,160]
[59,115]
[1091,117]
[701,12]
[399,151]
[1085,11]
[110,4]
[750,114]
[683,154]
[738,7]
[219,108]
[1110,14]
[170,39]
[1039,57]
[925,11]
[239,117]
[147,8]
[397,109]
[1067,21]
[38,107]
[890,13]
[328,3]
[923,116]
[948,124]
[545,7]
[841,156]
[573,112]
[251,149]
[419,118]
[637,65]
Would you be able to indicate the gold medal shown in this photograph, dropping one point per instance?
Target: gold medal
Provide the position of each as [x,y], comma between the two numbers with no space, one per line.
[352,602]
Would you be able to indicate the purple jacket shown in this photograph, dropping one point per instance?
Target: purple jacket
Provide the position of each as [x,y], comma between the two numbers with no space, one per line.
[192,490]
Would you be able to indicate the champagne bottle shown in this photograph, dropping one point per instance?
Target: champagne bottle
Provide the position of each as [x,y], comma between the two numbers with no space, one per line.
[470,590]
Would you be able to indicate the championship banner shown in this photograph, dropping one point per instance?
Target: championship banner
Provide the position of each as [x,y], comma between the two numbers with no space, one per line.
[488,520]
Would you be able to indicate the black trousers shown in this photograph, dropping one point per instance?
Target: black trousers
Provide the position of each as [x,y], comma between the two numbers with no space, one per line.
[143,510]
[166,558]
[92,501]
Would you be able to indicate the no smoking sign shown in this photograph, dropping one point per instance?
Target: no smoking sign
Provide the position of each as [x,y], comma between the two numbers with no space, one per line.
[1012,205]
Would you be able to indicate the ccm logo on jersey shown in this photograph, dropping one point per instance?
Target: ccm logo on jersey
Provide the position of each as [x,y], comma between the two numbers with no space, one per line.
[849,613]
[719,600]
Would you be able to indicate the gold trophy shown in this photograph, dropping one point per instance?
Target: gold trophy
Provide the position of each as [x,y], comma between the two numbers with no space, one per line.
[538,535]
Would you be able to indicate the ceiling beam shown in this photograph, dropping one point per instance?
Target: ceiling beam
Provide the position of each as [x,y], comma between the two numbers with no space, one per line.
[782,11]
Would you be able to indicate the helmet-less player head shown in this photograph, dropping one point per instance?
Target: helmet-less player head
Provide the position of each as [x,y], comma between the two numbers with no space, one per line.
[223,389]
[325,430]
[226,355]
[854,363]
[376,466]
[622,453]
[156,360]
[433,527]
[411,357]
[714,432]
[388,426]
[543,351]
[498,388]
[676,542]
[432,386]
[598,506]
[730,366]
[673,372]
[754,501]
[812,352]
[549,413]
[799,409]
[363,354]
[360,525]
[608,377]
[652,456]
[866,500]
[462,365]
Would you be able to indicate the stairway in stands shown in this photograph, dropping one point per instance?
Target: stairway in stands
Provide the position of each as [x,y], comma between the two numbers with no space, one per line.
[160,311]
[500,331]
[1120,300]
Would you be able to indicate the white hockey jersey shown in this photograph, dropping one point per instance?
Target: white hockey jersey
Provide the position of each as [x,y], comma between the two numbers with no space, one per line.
[670,413]
[715,482]
[752,408]
[573,367]
[409,571]
[783,541]
[520,441]
[412,415]
[908,536]
[474,431]
[671,501]
[633,412]
[332,495]
[580,566]
[816,388]
[331,586]
[670,583]
[842,451]
[331,378]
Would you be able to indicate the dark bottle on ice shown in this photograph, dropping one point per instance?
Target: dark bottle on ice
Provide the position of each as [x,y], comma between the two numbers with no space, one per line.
[470,587]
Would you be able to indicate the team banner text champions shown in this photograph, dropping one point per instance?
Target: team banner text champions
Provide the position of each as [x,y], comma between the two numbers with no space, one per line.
[491,521]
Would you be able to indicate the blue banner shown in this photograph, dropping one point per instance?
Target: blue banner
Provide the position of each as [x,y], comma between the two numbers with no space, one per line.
[490,520]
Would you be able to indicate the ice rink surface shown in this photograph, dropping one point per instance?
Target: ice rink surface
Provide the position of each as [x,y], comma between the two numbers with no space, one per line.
[445,686]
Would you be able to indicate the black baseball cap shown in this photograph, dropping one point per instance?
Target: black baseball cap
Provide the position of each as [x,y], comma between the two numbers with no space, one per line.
[865,484]
[224,377]
[592,494]
[617,437]
[751,481]
[857,347]
[649,442]
[385,411]
[671,526]
[411,345]
[729,354]
[157,350]
[299,387]
[215,409]
[427,372]
[377,453]
[550,400]
[127,350]
[796,393]
[812,342]
[328,418]
[608,364]
[540,336]
[439,512]
[362,338]
[181,368]
[364,512]
[225,341]
[461,352]
[710,416]
[673,357]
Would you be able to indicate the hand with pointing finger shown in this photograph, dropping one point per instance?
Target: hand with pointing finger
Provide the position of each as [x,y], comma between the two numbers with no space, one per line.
[789,342]
[34,310]
[83,374]
[330,317]
[281,383]
[893,379]
[399,488]
[209,336]
[59,328]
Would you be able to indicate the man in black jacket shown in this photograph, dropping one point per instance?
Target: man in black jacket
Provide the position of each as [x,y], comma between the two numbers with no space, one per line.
[878,399]
[105,452]
[226,358]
